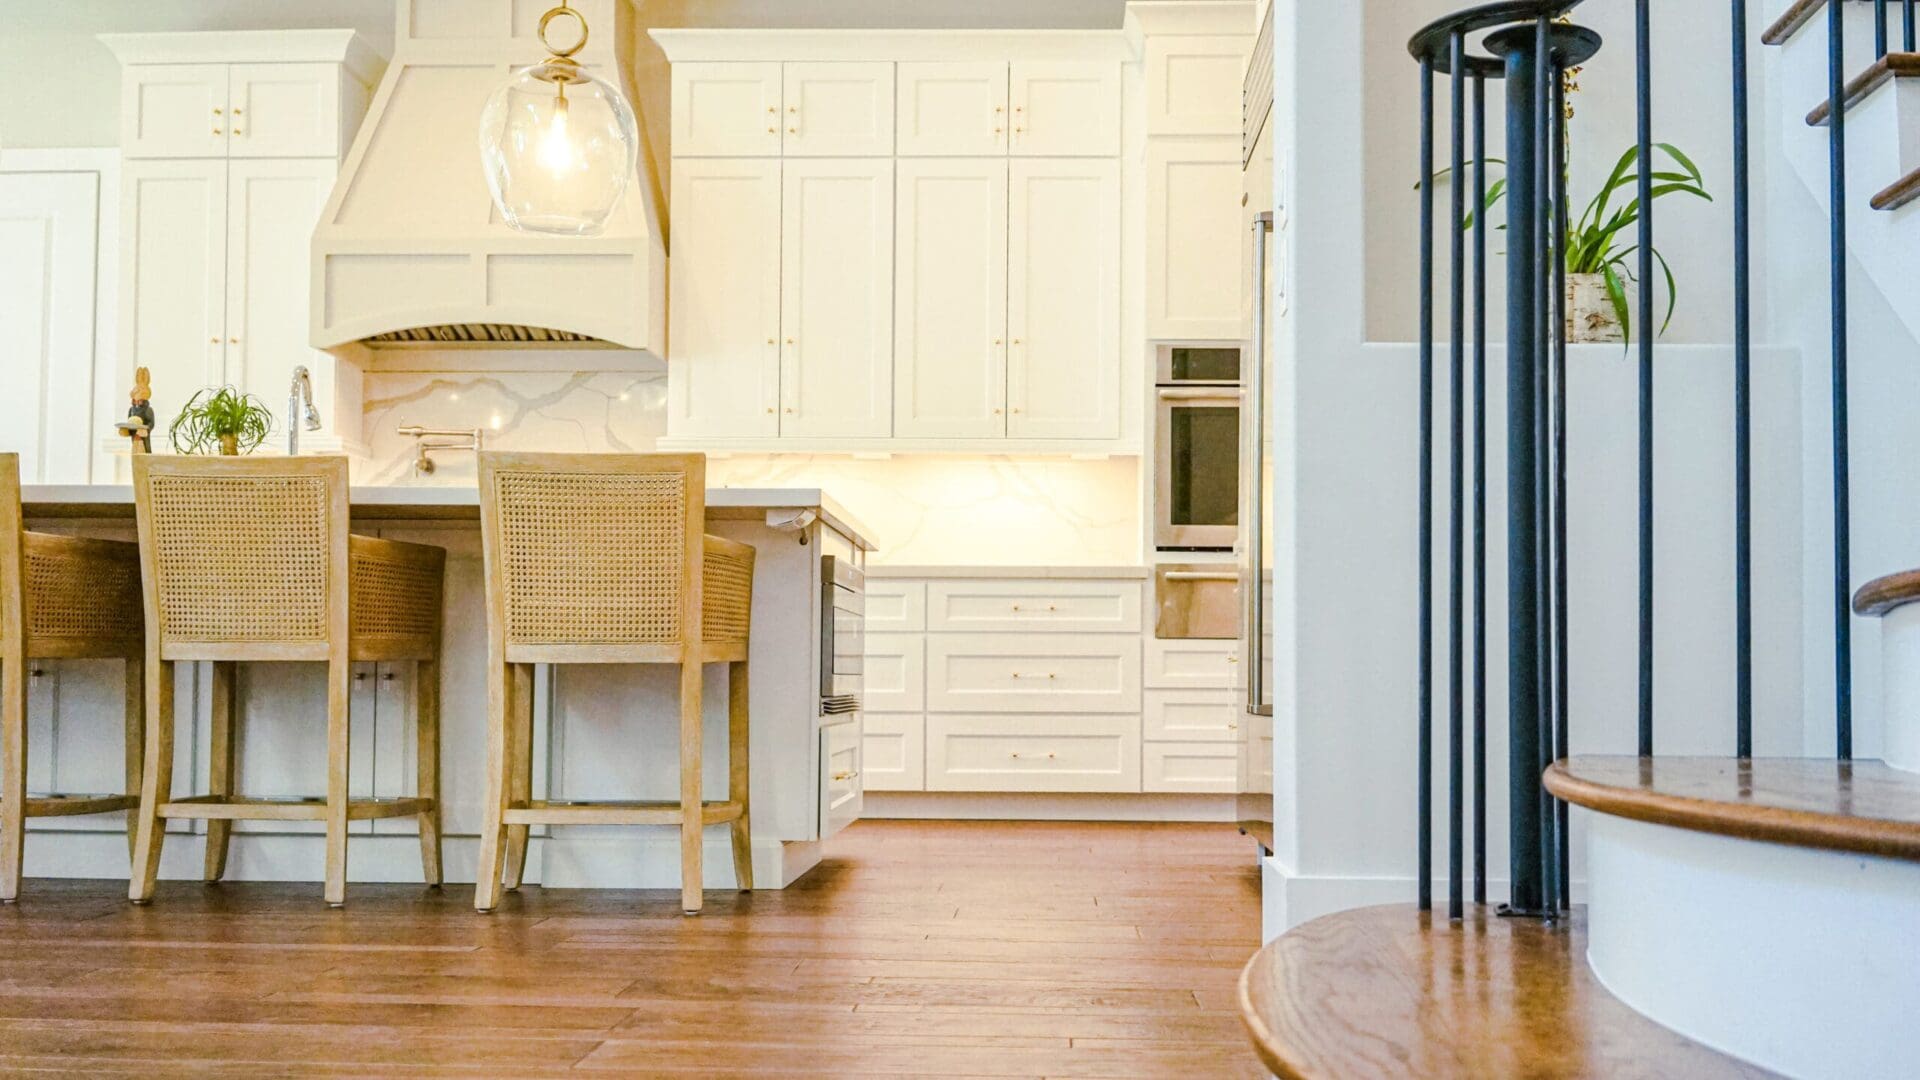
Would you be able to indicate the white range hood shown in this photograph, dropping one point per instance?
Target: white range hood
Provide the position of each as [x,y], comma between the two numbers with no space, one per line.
[410,251]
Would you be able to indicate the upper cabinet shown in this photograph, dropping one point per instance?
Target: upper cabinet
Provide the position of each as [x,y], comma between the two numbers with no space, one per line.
[1064,109]
[766,109]
[283,110]
[836,298]
[724,298]
[174,110]
[726,110]
[838,110]
[1063,299]
[952,109]
[950,299]
[1023,108]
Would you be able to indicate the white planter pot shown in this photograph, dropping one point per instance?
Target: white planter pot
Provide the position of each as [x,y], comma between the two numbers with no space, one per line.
[1590,315]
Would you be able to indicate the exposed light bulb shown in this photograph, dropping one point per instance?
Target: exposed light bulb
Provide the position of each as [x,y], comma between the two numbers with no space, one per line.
[556,146]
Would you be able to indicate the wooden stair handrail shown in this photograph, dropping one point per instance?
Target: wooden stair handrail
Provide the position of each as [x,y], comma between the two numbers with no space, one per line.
[1791,20]
[1899,193]
[1883,594]
[1894,65]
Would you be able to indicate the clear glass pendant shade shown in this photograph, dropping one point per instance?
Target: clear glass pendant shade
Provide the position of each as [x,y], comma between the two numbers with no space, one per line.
[558,144]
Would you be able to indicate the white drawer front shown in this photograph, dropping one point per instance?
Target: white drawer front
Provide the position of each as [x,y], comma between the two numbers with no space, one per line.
[1193,664]
[896,605]
[840,782]
[893,752]
[896,673]
[1033,753]
[1082,606]
[1033,673]
[1191,766]
[1192,716]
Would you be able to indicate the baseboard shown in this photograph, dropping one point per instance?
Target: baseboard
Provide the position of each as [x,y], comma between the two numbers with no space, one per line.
[1292,898]
[1036,806]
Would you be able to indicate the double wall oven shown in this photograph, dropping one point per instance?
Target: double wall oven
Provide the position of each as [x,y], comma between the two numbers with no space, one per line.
[1197,445]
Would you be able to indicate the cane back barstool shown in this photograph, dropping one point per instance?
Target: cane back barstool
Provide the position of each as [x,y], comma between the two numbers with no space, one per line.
[61,598]
[604,559]
[249,559]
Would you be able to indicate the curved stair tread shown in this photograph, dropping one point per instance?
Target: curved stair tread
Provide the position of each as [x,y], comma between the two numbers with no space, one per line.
[1396,992]
[1894,65]
[1883,594]
[1863,807]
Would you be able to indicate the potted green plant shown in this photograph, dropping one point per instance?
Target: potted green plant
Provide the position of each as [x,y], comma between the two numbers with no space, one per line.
[221,417]
[1599,259]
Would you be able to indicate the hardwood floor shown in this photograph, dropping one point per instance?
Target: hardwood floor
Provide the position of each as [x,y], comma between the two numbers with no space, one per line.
[918,948]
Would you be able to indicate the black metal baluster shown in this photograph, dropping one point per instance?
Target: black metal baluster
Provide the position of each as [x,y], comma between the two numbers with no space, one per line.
[1879,28]
[1562,853]
[1742,402]
[1479,489]
[1542,421]
[1456,494]
[1643,77]
[1425,755]
[1910,28]
[1837,243]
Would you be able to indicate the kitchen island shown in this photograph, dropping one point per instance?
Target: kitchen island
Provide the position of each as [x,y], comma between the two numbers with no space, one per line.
[599,732]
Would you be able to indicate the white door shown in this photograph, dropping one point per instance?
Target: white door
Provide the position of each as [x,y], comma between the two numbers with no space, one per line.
[1196,280]
[950,299]
[283,110]
[836,298]
[1065,109]
[173,278]
[726,110]
[272,207]
[48,227]
[723,373]
[173,110]
[1063,299]
[952,109]
[839,109]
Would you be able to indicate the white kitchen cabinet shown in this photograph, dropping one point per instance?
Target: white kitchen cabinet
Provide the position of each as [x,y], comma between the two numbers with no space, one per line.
[838,109]
[1063,109]
[956,109]
[895,606]
[1192,716]
[271,208]
[50,234]
[726,110]
[1033,673]
[997,605]
[1193,664]
[1197,282]
[893,751]
[1063,298]
[1193,768]
[1193,83]
[173,275]
[895,678]
[842,788]
[836,298]
[950,298]
[725,297]
[1033,753]
[174,110]
[283,110]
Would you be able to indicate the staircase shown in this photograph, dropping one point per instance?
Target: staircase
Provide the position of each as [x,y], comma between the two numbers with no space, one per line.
[1745,916]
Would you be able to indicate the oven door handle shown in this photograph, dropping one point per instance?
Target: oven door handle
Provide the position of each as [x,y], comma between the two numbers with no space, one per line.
[1177,393]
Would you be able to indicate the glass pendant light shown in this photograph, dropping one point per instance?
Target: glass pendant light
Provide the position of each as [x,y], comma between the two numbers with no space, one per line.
[558,142]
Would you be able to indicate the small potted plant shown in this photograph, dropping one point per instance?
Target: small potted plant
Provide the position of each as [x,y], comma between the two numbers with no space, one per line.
[234,422]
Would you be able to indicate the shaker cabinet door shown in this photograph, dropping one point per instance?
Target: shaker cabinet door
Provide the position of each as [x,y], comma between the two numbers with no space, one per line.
[272,207]
[173,275]
[952,109]
[173,111]
[951,299]
[1063,299]
[724,378]
[284,110]
[838,110]
[836,298]
[726,110]
[1064,109]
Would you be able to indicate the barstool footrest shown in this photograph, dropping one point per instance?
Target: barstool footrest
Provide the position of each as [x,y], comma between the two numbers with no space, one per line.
[68,805]
[234,808]
[544,812]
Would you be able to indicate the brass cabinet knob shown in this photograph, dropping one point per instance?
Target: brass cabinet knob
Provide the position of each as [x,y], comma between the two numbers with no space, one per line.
[233,341]
[793,131]
[216,131]
[773,131]
[216,110]
[237,112]
[213,341]
[237,131]
[789,341]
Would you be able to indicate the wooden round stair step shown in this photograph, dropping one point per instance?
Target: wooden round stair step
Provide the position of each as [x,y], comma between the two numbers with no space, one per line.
[1395,992]
[1862,807]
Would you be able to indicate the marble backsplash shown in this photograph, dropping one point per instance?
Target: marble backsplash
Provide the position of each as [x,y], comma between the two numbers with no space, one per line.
[934,510]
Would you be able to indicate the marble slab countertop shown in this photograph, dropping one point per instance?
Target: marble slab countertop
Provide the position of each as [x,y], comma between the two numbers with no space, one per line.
[415,502]
[1055,572]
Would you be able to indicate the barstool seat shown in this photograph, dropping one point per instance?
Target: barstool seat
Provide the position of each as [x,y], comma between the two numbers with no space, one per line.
[61,598]
[604,559]
[250,560]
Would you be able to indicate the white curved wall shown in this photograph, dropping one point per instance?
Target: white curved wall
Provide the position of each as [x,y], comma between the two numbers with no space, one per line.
[1900,675]
[1801,961]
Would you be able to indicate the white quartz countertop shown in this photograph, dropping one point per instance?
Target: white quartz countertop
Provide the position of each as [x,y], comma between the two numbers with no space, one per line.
[1057,572]
[425,501]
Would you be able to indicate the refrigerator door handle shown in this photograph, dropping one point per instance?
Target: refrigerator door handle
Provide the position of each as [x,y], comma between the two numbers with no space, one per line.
[1253,593]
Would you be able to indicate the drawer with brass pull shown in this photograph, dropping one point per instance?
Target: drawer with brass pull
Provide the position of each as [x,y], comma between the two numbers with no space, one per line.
[1032,753]
[1193,664]
[1079,673]
[1037,606]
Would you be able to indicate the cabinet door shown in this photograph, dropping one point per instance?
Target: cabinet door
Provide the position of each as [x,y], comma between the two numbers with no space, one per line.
[951,299]
[726,110]
[1197,282]
[952,110]
[836,298]
[173,110]
[838,110]
[173,276]
[271,210]
[1063,109]
[724,378]
[893,751]
[283,110]
[1063,299]
[49,231]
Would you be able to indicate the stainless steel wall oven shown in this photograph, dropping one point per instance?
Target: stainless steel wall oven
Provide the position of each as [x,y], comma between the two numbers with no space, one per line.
[1197,445]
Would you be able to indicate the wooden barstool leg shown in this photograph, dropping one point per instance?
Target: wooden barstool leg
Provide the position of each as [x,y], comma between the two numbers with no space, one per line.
[691,732]
[13,772]
[486,886]
[738,783]
[156,777]
[136,748]
[339,678]
[520,785]
[220,765]
[426,718]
